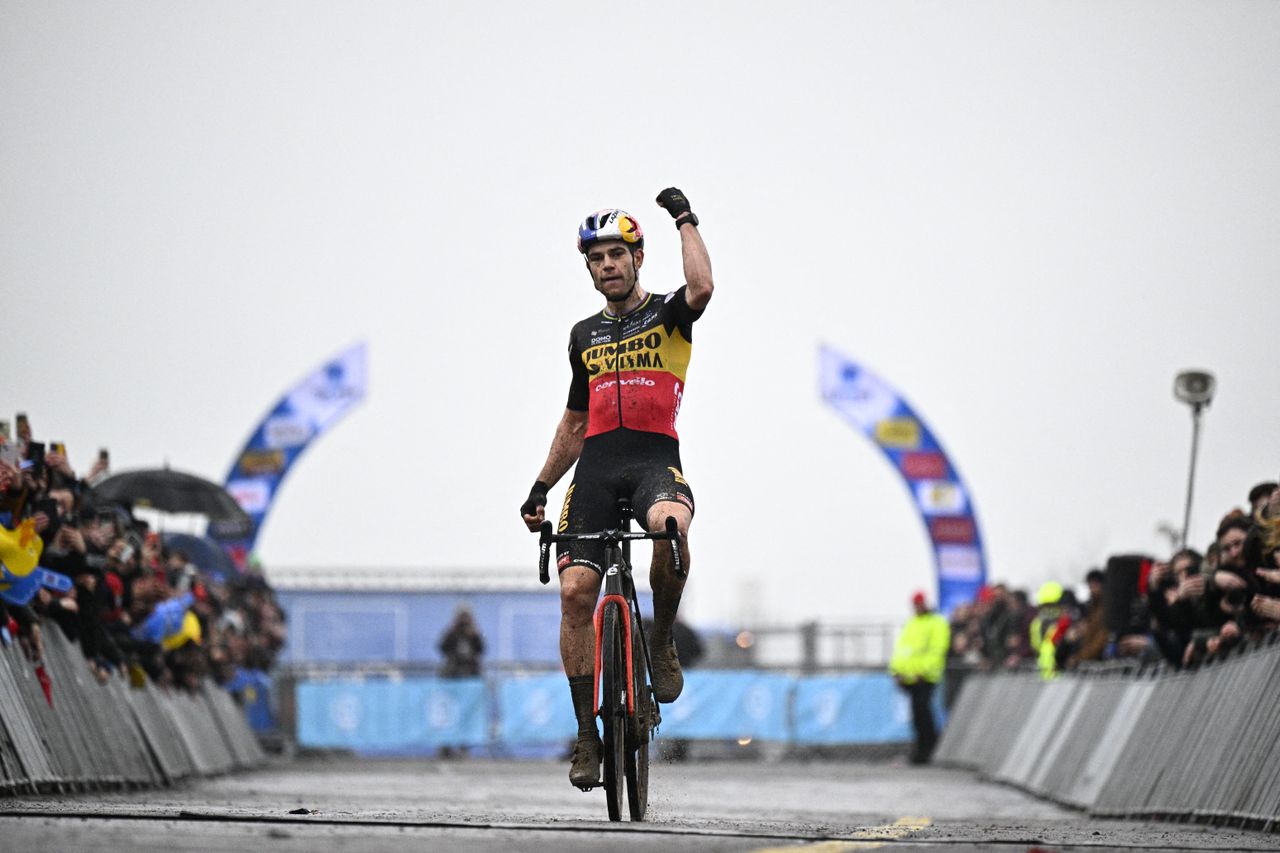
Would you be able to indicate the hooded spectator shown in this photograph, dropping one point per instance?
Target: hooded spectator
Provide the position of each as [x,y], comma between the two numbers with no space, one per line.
[462,646]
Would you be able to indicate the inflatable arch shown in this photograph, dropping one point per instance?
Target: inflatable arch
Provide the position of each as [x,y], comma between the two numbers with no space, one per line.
[879,412]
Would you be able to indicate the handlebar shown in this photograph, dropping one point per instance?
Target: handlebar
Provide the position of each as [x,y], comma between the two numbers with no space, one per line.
[615,535]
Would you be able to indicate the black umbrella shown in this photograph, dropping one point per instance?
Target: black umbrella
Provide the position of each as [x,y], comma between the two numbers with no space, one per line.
[167,490]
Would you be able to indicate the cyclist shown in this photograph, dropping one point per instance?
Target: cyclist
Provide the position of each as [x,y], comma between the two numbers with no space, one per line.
[628,370]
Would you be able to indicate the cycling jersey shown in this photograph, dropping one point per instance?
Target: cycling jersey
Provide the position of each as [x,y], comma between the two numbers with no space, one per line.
[629,371]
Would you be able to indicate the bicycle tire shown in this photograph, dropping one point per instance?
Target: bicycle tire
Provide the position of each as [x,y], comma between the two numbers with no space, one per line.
[613,706]
[641,732]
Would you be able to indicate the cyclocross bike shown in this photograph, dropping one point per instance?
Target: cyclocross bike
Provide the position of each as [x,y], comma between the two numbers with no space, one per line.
[628,710]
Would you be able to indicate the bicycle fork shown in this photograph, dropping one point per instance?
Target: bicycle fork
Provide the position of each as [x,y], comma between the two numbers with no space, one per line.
[614,595]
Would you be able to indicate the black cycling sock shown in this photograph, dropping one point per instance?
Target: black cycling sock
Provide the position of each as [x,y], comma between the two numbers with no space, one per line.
[583,690]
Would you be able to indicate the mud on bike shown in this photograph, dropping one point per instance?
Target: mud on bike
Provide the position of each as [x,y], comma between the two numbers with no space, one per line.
[628,710]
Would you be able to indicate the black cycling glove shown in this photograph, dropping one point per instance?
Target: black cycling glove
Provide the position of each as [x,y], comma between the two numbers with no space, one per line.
[537,498]
[673,201]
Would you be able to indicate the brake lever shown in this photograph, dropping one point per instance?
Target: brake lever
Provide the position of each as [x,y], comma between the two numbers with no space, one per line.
[673,531]
[544,552]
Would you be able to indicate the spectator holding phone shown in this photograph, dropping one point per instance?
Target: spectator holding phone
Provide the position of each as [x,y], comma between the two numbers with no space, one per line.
[121,572]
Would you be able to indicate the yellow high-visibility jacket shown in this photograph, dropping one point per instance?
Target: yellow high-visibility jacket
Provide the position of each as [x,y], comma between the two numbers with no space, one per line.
[1041,636]
[921,650]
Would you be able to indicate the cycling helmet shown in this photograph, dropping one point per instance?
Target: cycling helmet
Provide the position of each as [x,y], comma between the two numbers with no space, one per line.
[610,224]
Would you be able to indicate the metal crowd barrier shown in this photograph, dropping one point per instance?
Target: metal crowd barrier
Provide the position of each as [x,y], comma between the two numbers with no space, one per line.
[1201,745]
[109,735]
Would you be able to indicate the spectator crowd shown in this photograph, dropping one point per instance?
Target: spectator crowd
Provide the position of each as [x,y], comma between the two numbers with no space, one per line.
[1185,610]
[138,608]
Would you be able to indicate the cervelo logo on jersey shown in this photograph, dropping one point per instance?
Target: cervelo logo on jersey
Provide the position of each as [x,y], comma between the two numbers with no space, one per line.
[606,384]
[642,352]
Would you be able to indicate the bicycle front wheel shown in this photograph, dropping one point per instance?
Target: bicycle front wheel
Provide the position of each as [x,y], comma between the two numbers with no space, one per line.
[613,706]
[641,732]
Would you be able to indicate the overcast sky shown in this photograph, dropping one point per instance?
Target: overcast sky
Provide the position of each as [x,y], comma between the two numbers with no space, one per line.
[1027,217]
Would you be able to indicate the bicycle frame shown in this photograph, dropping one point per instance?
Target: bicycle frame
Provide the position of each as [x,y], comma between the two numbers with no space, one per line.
[628,725]
[618,585]
[614,575]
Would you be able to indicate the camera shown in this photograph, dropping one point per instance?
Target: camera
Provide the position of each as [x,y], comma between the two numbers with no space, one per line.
[1194,387]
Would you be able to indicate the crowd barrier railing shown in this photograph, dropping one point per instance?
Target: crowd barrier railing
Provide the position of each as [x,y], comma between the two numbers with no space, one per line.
[507,711]
[1202,745]
[109,735]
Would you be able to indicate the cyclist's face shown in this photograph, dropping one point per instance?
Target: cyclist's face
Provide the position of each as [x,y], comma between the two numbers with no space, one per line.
[614,268]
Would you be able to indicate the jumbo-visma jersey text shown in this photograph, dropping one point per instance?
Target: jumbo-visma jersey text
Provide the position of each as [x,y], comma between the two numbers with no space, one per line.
[629,371]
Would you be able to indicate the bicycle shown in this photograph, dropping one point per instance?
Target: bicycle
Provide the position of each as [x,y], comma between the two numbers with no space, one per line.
[628,710]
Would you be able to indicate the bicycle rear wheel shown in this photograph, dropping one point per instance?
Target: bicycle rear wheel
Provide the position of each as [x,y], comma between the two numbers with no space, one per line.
[613,706]
[641,732]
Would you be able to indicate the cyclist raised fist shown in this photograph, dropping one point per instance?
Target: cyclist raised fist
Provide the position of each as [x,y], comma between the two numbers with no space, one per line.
[628,365]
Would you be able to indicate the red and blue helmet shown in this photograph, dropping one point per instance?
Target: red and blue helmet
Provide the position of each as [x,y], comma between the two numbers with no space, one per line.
[610,224]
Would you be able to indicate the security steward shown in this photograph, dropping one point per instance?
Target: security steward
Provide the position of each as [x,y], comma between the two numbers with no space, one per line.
[919,657]
[1048,628]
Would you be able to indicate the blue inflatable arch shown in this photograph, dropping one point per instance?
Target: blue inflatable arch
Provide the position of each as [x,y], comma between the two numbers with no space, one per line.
[880,413]
[298,418]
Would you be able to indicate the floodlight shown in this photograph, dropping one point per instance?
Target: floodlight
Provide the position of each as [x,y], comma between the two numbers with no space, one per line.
[1194,387]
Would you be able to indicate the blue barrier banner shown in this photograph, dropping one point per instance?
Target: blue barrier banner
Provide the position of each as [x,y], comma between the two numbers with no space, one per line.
[535,709]
[252,689]
[389,715]
[861,708]
[718,705]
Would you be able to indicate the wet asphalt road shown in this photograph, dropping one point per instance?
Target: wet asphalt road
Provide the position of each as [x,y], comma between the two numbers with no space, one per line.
[475,805]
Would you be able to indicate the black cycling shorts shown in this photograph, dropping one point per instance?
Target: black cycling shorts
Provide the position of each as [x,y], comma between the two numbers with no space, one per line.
[643,467]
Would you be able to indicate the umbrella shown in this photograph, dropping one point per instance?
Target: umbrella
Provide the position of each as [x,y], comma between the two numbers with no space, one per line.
[207,555]
[167,490]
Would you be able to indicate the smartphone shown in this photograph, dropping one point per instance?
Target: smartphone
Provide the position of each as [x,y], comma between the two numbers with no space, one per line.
[50,508]
[35,455]
[104,456]
[58,447]
[5,435]
[9,453]
[23,426]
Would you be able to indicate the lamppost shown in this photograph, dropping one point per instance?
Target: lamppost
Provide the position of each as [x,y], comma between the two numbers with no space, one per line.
[1195,388]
